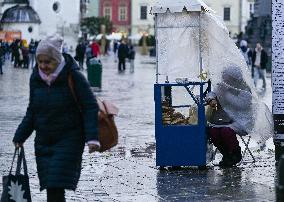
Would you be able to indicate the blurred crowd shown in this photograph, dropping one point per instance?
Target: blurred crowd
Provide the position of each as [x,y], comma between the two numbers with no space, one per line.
[86,50]
[22,54]
[19,52]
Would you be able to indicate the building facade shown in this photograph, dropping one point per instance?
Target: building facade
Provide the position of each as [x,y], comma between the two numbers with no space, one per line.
[56,16]
[119,13]
[142,22]
[248,9]
[235,13]
[262,8]
[259,28]
[93,8]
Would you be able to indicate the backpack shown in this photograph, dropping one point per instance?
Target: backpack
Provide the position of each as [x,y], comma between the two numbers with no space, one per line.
[108,134]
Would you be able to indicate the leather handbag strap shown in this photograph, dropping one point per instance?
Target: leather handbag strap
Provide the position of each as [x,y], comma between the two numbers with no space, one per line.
[71,86]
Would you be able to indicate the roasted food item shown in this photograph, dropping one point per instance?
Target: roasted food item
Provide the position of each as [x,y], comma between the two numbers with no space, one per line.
[171,117]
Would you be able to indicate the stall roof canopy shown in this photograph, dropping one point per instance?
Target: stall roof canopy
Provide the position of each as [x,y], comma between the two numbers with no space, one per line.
[177,6]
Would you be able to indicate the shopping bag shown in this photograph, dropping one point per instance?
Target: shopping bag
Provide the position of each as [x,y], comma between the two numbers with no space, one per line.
[16,186]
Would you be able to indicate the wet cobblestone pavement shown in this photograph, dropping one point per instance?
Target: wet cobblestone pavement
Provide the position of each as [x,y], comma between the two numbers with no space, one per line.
[128,172]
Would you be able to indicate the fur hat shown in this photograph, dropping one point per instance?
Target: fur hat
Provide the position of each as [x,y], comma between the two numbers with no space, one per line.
[50,46]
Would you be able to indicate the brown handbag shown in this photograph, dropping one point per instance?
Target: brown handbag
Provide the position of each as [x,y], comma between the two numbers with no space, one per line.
[108,134]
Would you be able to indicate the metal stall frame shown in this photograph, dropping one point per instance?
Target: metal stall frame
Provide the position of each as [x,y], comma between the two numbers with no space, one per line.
[180,145]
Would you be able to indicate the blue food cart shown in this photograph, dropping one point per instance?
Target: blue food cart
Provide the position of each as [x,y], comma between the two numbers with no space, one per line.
[181,85]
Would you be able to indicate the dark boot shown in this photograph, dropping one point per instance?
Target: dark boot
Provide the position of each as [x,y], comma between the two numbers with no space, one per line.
[55,195]
[230,160]
[225,157]
[237,155]
[226,162]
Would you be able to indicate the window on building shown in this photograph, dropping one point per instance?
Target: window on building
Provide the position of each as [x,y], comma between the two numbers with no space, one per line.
[227,14]
[107,12]
[251,7]
[122,13]
[56,7]
[143,13]
[30,29]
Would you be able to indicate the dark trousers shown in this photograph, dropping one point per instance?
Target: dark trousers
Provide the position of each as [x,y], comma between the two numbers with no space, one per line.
[121,62]
[81,63]
[224,139]
[17,62]
[55,195]
[26,62]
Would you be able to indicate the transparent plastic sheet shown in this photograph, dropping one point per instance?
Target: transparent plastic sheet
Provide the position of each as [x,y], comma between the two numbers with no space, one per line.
[178,55]
[232,82]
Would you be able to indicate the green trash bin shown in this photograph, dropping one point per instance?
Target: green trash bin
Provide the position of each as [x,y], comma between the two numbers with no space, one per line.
[94,69]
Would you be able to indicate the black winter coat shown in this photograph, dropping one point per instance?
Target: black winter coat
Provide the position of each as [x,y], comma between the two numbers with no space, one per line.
[122,51]
[61,131]
[80,51]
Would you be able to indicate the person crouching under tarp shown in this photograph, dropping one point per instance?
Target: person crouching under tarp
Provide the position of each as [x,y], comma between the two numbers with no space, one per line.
[221,134]
[229,113]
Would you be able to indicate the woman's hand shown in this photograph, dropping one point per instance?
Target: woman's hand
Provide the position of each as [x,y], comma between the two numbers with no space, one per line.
[18,145]
[93,148]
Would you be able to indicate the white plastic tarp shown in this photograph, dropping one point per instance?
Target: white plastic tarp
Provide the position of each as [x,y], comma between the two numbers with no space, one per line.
[178,45]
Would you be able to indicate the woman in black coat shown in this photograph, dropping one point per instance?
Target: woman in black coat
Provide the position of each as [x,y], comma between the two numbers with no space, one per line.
[61,129]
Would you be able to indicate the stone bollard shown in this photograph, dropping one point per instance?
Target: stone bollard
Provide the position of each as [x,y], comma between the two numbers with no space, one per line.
[280,182]
[279,149]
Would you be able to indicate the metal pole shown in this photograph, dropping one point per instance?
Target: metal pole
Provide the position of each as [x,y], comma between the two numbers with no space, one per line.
[200,56]
[157,55]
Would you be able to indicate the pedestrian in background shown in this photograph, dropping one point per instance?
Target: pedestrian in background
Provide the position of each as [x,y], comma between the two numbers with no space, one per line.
[95,48]
[65,48]
[122,55]
[2,54]
[61,127]
[80,54]
[259,61]
[247,54]
[7,51]
[115,47]
[17,53]
[13,50]
[21,56]
[32,51]
[131,58]
[25,53]
[89,53]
